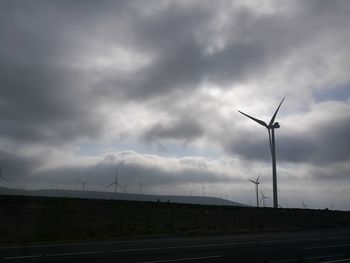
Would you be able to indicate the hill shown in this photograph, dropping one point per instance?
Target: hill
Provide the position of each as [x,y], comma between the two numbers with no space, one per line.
[181,199]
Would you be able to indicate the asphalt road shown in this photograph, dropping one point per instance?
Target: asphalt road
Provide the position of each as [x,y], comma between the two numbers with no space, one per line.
[307,246]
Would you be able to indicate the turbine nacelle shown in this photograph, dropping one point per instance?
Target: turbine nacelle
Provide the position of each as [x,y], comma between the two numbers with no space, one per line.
[276,125]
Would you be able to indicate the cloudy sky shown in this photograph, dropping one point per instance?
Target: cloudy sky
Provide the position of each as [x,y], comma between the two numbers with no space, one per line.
[153,87]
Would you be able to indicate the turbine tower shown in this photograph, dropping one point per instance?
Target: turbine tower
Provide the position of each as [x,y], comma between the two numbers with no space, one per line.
[256,182]
[303,204]
[141,185]
[263,197]
[115,183]
[271,130]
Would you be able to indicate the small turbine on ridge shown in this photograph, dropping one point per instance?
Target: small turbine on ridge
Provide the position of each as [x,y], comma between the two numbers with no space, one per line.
[1,176]
[115,183]
[263,197]
[256,182]
[303,204]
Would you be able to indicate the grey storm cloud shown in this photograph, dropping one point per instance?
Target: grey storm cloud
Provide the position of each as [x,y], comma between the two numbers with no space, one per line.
[181,60]
[41,97]
[184,54]
[46,96]
[183,130]
[17,166]
[82,78]
[318,136]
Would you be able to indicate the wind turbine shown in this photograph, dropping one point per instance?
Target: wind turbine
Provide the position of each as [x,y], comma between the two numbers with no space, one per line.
[263,197]
[271,130]
[303,204]
[1,176]
[141,185]
[256,182]
[115,183]
[203,188]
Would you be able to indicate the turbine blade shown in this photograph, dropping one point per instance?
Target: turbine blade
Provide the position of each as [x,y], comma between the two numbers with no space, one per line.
[120,186]
[252,181]
[110,185]
[254,119]
[4,178]
[274,116]
[257,180]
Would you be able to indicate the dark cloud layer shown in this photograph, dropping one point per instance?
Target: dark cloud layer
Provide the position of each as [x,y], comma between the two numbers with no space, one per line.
[182,130]
[42,98]
[318,137]
[134,72]
[53,99]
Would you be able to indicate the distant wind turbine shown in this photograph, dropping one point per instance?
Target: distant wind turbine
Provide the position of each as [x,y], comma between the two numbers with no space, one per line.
[203,189]
[141,185]
[303,204]
[256,182]
[271,130]
[1,173]
[77,183]
[115,183]
[263,197]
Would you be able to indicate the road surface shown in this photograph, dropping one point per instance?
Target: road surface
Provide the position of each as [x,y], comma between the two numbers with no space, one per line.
[330,246]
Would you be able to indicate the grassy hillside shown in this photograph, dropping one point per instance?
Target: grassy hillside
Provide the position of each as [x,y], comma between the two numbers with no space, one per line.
[32,219]
[200,200]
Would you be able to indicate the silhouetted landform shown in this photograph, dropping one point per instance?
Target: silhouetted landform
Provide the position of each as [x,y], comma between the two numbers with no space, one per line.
[200,200]
[37,219]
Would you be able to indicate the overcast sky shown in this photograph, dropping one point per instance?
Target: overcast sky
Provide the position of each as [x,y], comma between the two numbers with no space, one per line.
[153,87]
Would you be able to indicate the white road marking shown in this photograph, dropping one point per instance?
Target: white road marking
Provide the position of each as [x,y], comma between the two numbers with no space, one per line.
[170,247]
[194,246]
[132,249]
[55,255]
[310,248]
[322,257]
[23,257]
[277,241]
[334,261]
[182,259]
[152,240]
[240,243]
[88,243]
[73,253]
